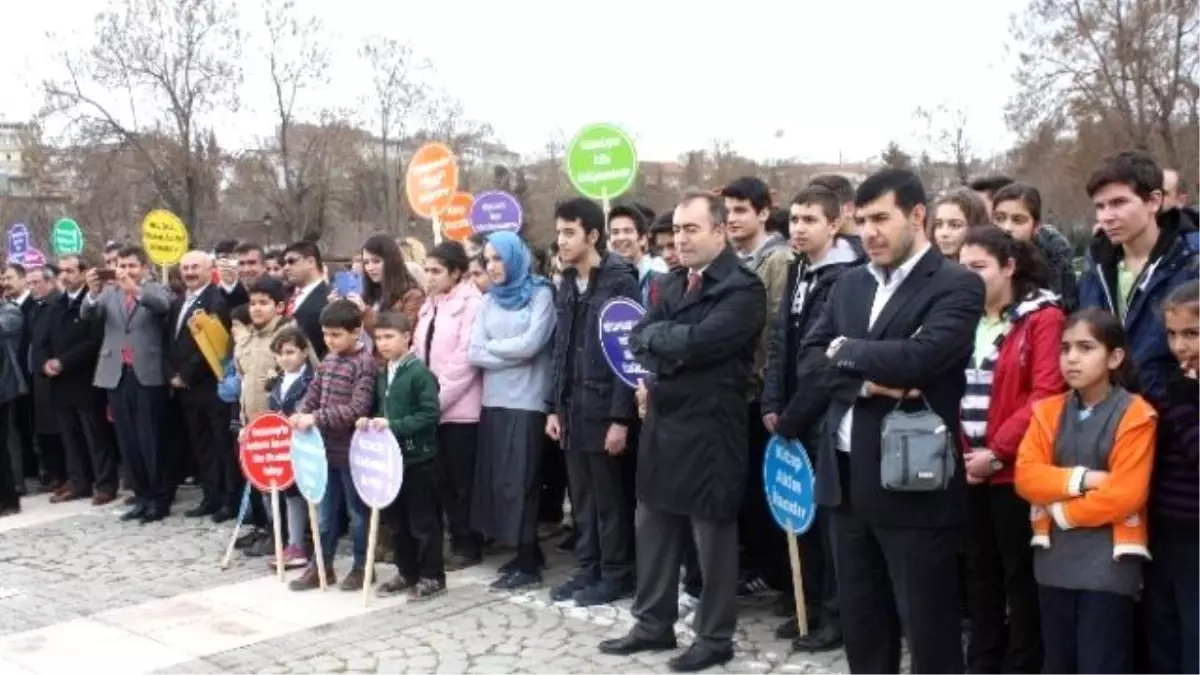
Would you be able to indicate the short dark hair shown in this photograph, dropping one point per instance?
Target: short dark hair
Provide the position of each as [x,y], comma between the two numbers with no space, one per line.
[836,183]
[291,335]
[451,255]
[815,194]
[240,314]
[49,271]
[990,183]
[78,258]
[749,188]
[716,205]
[904,184]
[587,213]
[225,246]
[134,252]
[341,314]
[778,221]
[18,268]
[249,247]
[397,321]
[632,212]
[1184,295]
[648,212]
[1031,271]
[1021,192]
[305,249]
[1135,168]
[269,287]
[663,224]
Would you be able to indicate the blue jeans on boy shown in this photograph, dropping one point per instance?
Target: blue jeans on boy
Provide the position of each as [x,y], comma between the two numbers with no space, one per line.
[341,496]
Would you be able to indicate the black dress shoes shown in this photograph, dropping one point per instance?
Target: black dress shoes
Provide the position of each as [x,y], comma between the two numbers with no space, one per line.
[699,657]
[205,509]
[633,644]
[223,514]
[135,513]
[153,514]
[824,639]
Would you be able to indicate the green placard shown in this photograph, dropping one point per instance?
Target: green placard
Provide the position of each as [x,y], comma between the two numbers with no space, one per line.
[601,161]
[66,238]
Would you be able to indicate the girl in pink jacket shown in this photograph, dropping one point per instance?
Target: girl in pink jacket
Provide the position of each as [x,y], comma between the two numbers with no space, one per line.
[441,340]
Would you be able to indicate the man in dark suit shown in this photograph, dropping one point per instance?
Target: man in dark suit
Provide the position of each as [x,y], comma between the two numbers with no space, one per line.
[130,368]
[194,384]
[71,348]
[698,340]
[239,271]
[24,456]
[903,324]
[304,270]
[43,284]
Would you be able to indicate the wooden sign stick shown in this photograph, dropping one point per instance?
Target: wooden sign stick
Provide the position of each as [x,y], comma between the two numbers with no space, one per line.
[372,539]
[315,526]
[798,583]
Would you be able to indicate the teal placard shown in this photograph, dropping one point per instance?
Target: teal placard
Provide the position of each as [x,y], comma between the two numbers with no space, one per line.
[601,161]
[66,237]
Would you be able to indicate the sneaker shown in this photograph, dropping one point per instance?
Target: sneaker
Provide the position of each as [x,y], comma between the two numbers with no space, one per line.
[603,592]
[517,581]
[293,559]
[310,579]
[353,581]
[752,584]
[567,590]
[394,586]
[426,589]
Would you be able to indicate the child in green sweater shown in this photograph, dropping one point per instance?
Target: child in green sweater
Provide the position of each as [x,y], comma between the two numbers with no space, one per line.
[407,404]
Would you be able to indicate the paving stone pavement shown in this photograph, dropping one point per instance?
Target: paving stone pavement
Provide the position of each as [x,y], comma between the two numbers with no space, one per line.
[143,586]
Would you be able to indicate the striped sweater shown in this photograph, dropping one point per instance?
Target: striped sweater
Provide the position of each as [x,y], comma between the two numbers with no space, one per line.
[1175,491]
[342,391]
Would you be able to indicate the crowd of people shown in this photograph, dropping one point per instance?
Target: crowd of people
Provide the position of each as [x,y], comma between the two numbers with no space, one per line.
[1046,495]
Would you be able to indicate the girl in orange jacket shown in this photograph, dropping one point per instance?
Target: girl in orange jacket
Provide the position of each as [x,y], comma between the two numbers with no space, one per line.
[1084,466]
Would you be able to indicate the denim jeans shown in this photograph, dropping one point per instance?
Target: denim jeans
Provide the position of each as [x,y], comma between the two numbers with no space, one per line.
[341,496]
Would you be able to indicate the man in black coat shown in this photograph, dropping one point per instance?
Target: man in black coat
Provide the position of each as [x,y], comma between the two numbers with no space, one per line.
[903,324]
[43,284]
[24,457]
[194,384]
[698,341]
[71,347]
[591,411]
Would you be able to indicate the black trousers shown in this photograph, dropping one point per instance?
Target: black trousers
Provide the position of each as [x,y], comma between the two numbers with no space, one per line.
[1002,597]
[818,572]
[1171,598]
[764,545]
[414,519]
[603,519]
[137,414]
[893,582]
[554,483]
[1086,631]
[457,444]
[8,479]
[87,440]
[25,455]
[52,458]
[206,419]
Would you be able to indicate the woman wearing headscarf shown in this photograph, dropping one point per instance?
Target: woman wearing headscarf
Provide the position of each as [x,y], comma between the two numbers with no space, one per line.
[510,343]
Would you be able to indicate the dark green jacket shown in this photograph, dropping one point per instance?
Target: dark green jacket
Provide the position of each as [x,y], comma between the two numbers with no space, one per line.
[410,405]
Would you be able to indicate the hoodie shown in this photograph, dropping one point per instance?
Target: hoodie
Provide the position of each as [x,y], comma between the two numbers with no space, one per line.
[1020,368]
[1172,262]
[770,262]
[806,289]
[1059,254]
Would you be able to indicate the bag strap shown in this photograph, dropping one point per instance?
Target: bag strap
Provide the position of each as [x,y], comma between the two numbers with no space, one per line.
[904,398]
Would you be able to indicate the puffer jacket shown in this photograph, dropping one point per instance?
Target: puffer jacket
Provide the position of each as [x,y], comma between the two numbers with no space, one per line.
[1060,255]
[441,340]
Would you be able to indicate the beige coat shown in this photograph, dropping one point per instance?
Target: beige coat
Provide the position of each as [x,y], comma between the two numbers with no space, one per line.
[255,363]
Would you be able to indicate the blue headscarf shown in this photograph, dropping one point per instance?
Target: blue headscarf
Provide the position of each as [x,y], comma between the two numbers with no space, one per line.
[519,282]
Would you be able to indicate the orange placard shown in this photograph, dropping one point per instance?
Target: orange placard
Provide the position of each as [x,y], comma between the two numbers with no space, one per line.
[456,217]
[431,180]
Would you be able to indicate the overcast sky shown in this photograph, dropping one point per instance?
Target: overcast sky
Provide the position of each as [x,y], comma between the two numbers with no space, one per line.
[783,78]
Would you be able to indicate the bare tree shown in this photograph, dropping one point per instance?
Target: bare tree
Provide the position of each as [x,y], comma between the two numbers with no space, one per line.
[446,121]
[297,60]
[397,90]
[895,157]
[156,69]
[944,129]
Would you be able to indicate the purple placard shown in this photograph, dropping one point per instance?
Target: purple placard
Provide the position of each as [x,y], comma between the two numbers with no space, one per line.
[376,466]
[617,319]
[495,211]
[18,243]
[33,259]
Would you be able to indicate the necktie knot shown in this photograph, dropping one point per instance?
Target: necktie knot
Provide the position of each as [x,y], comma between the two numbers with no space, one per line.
[693,282]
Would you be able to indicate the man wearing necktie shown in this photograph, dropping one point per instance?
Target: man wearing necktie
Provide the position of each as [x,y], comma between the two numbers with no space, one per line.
[194,385]
[131,370]
[698,341]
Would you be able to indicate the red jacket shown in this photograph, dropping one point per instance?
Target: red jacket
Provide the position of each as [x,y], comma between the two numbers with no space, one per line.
[1026,370]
